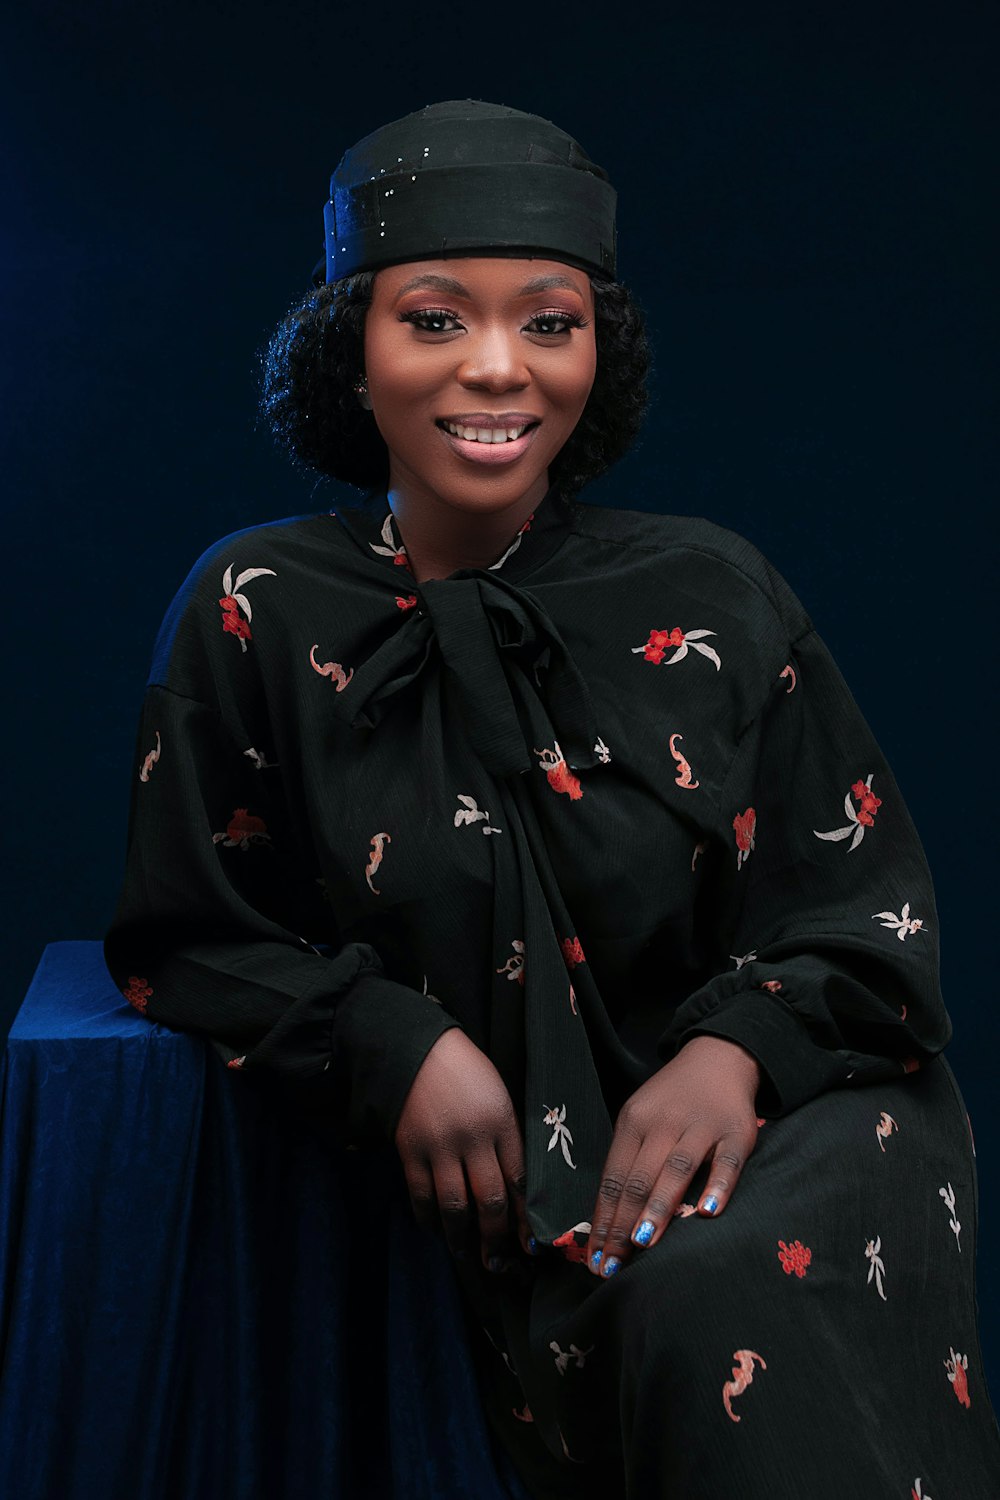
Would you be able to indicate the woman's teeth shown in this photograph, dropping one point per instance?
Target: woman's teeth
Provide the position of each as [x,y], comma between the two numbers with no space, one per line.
[485,434]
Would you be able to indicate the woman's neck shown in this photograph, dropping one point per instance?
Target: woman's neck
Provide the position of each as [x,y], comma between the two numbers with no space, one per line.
[441,538]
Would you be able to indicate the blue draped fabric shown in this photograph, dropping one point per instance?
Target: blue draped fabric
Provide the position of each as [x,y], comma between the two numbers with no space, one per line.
[197,1298]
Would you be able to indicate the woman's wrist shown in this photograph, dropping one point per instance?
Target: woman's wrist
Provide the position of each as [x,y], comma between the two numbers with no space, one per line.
[729,1057]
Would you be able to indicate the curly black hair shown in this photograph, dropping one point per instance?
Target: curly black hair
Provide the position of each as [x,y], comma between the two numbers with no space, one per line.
[315,358]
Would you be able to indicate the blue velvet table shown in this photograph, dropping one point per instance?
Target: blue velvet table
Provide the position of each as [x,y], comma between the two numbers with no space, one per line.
[198,1300]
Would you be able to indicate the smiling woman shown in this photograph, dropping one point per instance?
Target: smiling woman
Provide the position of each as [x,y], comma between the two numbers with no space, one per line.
[504,830]
[317,358]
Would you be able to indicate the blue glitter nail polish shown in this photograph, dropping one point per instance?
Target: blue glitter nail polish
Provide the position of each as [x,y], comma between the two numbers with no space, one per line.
[595,1259]
[645,1232]
[710,1204]
[533,1245]
[610,1266]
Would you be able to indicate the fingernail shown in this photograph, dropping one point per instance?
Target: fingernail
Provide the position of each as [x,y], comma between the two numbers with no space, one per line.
[710,1204]
[610,1266]
[497,1263]
[645,1232]
[532,1246]
[595,1259]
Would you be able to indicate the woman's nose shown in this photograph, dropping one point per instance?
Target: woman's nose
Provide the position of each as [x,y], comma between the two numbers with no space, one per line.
[494,361]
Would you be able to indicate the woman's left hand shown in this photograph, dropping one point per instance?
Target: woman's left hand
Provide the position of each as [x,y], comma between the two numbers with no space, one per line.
[700,1103]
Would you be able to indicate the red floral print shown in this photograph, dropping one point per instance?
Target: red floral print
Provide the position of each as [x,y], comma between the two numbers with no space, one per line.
[233,601]
[558,773]
[857,821]
[232,621]
[137,993]
[745,828]
[869,803]
[680,641]
[572,952]
[774,985]
[406,603]
[574,1249]
[794,1257]
[244,829]
[658,640]
[957,1365]
[236,1062]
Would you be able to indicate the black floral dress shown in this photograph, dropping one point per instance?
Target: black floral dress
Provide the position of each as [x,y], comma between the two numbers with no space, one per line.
[605,795]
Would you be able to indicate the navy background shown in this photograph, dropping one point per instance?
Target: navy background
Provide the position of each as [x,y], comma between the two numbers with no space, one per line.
[806,212]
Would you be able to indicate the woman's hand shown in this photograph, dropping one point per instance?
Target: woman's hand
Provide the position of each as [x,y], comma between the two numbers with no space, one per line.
[459,1139]
[700,1103]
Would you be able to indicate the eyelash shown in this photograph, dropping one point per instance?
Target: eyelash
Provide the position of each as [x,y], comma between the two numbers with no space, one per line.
[572,320]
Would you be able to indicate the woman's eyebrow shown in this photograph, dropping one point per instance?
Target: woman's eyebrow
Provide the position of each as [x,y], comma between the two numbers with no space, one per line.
[449,284]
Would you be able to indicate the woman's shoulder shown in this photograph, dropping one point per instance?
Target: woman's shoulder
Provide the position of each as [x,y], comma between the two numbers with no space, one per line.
[214,606]
[703,557]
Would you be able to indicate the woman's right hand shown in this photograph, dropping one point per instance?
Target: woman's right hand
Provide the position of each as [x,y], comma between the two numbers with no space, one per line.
[460,1144]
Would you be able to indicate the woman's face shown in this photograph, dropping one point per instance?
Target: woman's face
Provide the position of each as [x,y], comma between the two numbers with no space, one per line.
[487,345]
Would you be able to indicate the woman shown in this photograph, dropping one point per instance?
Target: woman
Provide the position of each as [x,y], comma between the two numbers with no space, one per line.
[545,841]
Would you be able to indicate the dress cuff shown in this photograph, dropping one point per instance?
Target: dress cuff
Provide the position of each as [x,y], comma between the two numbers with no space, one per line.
[794,1068]
[381,1033]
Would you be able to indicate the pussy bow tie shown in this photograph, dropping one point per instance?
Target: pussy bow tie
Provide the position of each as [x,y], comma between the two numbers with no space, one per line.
[497,643]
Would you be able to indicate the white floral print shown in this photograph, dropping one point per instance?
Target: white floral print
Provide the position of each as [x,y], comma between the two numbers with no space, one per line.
[259,759]
[514,966]
[903,924]
[560,1133]
[948,1194]
[563,1356]
[877,1267]
[397,553]
[470,813]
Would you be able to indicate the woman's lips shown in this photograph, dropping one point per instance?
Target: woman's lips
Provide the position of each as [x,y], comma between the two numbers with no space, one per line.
[489,453]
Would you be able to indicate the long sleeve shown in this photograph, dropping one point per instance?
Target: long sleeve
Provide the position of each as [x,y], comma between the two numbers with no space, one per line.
[823,909]
[222,929]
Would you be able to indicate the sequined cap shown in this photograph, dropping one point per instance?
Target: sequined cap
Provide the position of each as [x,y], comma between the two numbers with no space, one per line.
[462,176]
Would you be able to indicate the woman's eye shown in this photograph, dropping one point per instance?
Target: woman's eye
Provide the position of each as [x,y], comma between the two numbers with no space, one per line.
[565,322]
[430,319]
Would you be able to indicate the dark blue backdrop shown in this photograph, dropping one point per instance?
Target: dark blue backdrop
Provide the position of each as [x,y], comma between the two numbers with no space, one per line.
[807,214]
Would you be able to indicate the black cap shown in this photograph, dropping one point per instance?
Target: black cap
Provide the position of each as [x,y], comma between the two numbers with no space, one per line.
[464,176]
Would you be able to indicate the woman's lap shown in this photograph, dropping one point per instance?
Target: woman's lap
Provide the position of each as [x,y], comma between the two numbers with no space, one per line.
[801,1343]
